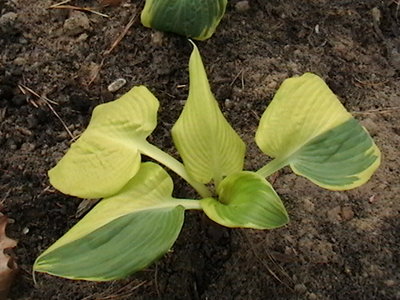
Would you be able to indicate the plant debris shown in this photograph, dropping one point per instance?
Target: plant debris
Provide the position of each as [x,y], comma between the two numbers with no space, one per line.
[8,267]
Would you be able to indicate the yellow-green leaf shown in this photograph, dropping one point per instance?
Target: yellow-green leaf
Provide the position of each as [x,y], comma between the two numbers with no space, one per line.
[123,233]
[197,19]
[307,127]
[246,200]
[106,156]
[208,145]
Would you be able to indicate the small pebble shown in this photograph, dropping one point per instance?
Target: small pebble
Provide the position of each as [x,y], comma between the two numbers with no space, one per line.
[83,37]
[242,6]
[300,288]
[20,61]
[308,204]
[23,41]
[312,296]
[7,21]
[76,24]
[28,147]
[390,283]
[228,103]
[376,14]
[116,85]
[63,135]
[25,230]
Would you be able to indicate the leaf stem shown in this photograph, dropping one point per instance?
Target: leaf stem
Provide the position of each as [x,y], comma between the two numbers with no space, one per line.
[217,181]
[189,203]
[175,165]
[272,166]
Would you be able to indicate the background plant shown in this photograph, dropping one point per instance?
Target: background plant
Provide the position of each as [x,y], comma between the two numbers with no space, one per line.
[305,127]
[196,19]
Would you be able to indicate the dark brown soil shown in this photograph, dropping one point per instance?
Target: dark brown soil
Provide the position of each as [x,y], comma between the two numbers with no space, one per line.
[339,245]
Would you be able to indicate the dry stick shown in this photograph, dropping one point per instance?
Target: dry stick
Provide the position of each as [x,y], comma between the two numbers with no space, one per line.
[84,206]
[265,264]
[61,3]
[121,293]
[236,77]
[387,110]
[123,33]
[114,45]
[242,81]
[4,198]
[156,282]
[48,102]
[96,73]
[86,9]
[283,271]
[23,91]
[118,294]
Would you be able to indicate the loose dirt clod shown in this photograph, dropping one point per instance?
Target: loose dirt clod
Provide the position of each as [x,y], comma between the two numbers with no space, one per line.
[116,85]
[76,24]
[242,6]
[7,22]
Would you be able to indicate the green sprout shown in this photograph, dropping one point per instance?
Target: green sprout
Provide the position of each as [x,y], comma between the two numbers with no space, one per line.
[196,19]
[137,221]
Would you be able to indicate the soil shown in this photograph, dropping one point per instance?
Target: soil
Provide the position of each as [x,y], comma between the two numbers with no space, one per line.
[338,245]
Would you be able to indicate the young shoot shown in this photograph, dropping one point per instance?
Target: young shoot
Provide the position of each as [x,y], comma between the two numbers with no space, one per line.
[138,220]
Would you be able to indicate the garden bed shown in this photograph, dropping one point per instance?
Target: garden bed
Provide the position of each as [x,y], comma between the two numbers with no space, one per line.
[338,245]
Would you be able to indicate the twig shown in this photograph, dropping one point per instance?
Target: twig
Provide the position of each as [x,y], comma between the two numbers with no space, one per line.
[156,282]
[366,83]
[22,87]
[377,111]
[266,265]
[85,206]
[60,3]
[86,9]
[117,294]
[115,44]
[48,189]
[236,77]
[96,73]
[4,198]
[122,34]
[48,102]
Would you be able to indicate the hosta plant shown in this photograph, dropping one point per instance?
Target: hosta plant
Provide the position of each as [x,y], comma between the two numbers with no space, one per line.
[197,19]
[138,220]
